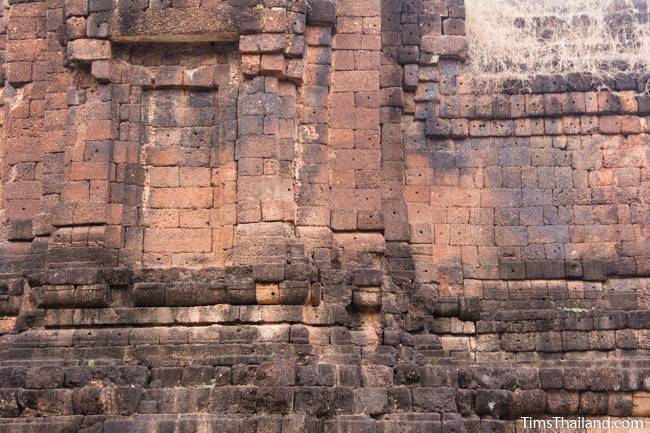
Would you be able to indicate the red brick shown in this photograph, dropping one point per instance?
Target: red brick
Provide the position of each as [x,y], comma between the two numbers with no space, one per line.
[358,8]
[356,159]
[169,75]
[163,176]
[342,138]
[88,50]
[76,8]
[273,210]
[371,42]
[341,100]
[90,213]
[249,211]
[446,46]
[367,139]
[22,209]
[19,72]
[194,176]
[177,240]
[349,25]
[262,43]
[347,81]
[76,27]
[366,118]
[89,171]
[75,191]
[274,20]
[264,146]
[318,36]
[273,64]
[628,102]
[25,50]
[160,157]
[454,196]
[22,190]
[346,41]
[201,76]
[364,60]
[343,219]
[99,130]
[343,60]
[295,70]
[609,124]
[371,25]
[343,118]
[181,198]
[631,125]
[194,218]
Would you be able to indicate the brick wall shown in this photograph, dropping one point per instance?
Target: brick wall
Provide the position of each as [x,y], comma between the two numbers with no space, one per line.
[3,169]
[25,72]
[178,202]
[544,181]
[285,216]
[558,182]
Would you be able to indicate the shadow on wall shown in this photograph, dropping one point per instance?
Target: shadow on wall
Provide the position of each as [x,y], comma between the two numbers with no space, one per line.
[3,225]
[538,207]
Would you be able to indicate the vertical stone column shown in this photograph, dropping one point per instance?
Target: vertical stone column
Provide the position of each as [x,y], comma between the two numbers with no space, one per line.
[126,190]
[419,26]
[83,210]
[356,203]
[313,176]
[3,168]
[266,143]
[11,291]
[25,70]
[57,85]
[265,190]
[80,132]
[222,159]
[354,118]
[396,110]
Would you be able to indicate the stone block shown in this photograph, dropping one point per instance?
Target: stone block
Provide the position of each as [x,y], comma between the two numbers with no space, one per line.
[262,43]
[367,300]
[592,403]
[321,12]
[495,403]
[89,50]
[445,46]
[641,404]
[9,404]
[562,402]
[620,404]
[434,399]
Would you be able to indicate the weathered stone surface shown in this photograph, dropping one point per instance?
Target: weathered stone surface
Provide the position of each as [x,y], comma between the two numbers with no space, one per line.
[171,25]
[89,50]
[297,216]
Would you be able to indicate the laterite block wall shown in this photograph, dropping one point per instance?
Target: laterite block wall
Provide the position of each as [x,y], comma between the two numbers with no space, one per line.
[282,216]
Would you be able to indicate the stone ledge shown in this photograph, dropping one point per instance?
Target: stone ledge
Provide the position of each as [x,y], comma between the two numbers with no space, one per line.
[196,25]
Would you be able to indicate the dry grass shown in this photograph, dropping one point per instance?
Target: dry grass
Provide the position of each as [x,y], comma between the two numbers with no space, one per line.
[515,39]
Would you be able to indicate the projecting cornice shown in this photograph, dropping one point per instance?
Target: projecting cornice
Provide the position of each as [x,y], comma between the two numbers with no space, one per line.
[223,23]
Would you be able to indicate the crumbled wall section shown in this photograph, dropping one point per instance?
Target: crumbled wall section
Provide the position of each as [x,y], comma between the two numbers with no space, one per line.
[298,219]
